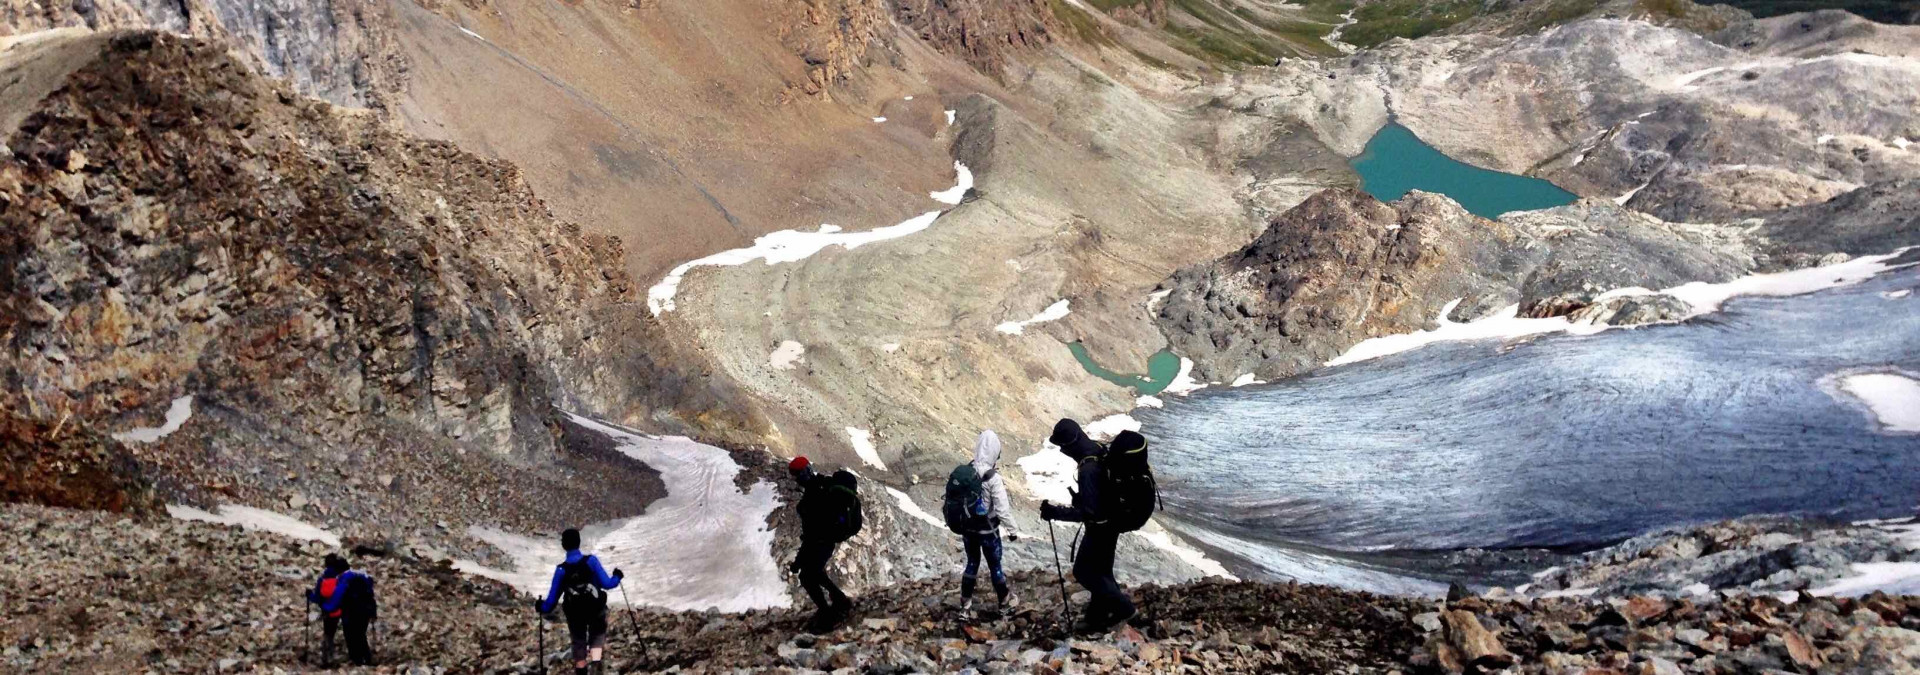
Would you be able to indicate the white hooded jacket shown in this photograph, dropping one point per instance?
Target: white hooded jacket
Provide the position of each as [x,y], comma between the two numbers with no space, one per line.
[986,453]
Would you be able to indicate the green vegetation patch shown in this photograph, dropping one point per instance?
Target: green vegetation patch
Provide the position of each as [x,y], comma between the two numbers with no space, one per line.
[1382,21]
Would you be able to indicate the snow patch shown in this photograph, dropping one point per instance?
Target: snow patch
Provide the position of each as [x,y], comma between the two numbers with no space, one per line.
[1160,539]
[1333,37]
[907,504]
[1110,426]
[259,520]
[708,539]
[879,120]
[1050,474]
[963,181]
[909,98]
[950,118]
[890,347]
[794,245]
[1506,324]
[1891,399]
[1183,383]
[472,34]
[1149,402]
[1896,578]
[1706,297]
[1901,143]
[1053,312]
[178,413]
[862,441]
[1155,298]
[1623,199]
[1245,380]
[1896,295]
[1823,139]
[786,355]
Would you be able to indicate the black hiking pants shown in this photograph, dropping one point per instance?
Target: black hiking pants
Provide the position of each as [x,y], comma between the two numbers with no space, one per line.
[358,653]
[812,564]
[1093,568]
[329,627]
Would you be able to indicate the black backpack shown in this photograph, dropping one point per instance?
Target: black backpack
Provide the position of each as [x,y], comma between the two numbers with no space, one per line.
[1128,494]
[965,506]
[580,592]
[360,600]
[833,509]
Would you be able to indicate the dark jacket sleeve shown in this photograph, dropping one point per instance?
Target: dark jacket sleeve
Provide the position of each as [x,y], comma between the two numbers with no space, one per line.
[1086,500]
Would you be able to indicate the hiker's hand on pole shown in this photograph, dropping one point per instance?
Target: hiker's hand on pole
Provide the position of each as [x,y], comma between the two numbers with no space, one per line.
[618,574]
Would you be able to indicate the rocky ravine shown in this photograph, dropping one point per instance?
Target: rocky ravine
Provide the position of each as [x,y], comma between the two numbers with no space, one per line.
[335,319]
[171,596]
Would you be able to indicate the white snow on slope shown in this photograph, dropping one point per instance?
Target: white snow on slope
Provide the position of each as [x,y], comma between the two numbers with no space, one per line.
[475,36]
[1164,541]
[1896,295]
[878,120]
[793,245]
[907,504]
[1246,379]
[1823,139]
[1896,578]
[256,519]
[1891,399]
[1623,199]
[786,355]
[1183,382]
[1050,474]
[1333,37]
[962,183]
[178,413]
[1149,402]
[1702,298]
[705,544]
[950,114]
[862,441]
[1901,142]
[1155,298]
[1110,426]
[1053,312]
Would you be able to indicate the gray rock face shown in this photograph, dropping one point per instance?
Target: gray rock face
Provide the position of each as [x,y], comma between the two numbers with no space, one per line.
[1342,267]
[1877,218]
[1758,554]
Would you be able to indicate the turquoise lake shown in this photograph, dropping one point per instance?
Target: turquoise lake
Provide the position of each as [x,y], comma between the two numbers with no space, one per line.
[1161,369]
[1396,161]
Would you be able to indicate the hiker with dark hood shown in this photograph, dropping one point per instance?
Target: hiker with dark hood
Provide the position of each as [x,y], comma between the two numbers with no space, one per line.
[1103,517]
[580,588]
[829,511]
[976,507]
[346,600]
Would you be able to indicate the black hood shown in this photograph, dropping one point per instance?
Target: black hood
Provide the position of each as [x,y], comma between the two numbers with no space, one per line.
[1072,440]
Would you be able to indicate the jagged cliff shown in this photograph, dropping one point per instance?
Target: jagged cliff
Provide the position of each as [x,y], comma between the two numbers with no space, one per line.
[344,320]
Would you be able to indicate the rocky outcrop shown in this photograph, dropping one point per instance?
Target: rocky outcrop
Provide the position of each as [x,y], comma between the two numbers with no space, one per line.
[833,37]
[381,321]
[339,50]
[983,33]
[60,463]
[1342,267]
[1760,554]
[1881,217]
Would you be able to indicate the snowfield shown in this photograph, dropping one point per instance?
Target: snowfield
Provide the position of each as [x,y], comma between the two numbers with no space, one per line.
[862,441]
[1053,312]
[1891,400]
[705,544]
[178,413]
[787,354]
[788,246]
[260,520]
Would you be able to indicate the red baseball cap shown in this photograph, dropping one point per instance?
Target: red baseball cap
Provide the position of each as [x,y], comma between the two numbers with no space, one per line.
[799,464]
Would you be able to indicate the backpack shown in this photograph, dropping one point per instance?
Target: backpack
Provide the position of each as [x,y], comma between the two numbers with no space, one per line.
[831,511]
[360,600]
[965,506]
[1128,494]
[326,591]
[580,591]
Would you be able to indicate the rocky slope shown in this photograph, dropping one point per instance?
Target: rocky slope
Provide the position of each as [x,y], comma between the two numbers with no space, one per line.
[173,596]
[334,317]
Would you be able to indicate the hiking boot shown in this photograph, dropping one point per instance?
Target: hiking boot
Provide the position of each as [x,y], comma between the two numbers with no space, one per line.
[1008,602]
[822,623]
[966,607]
[1104,623]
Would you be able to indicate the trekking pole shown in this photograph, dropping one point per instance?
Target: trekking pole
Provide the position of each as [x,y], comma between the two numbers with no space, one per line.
[632,621]
[1066,606]
[306,654]
[540,657]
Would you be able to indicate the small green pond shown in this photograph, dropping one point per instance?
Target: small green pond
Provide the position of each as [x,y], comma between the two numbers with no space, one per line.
[1161,369]
[1396,161]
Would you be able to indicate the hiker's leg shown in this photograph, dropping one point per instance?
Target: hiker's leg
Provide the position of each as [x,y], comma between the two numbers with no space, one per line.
[840,601]
[577,634]
[990,547]
[1086,573]
[329,626]
[597,638]
[812,560]
[358,653]
[971,574]
[1099,544]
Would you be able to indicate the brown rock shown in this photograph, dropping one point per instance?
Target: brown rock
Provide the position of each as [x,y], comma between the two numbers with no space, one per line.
[1802,651]
[1477,645]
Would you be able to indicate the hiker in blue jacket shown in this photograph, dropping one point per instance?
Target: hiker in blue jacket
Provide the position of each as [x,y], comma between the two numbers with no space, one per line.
[580,588]
[346,599]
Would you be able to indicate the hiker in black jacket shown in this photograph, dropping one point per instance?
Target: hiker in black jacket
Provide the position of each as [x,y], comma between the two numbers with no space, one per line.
[829,512]
[1093,563]
[346,600]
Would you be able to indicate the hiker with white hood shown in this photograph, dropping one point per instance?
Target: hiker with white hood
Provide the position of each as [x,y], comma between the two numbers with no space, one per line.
[976,507]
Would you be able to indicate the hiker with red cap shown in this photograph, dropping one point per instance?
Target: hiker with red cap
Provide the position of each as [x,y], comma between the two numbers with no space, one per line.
[829,511]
